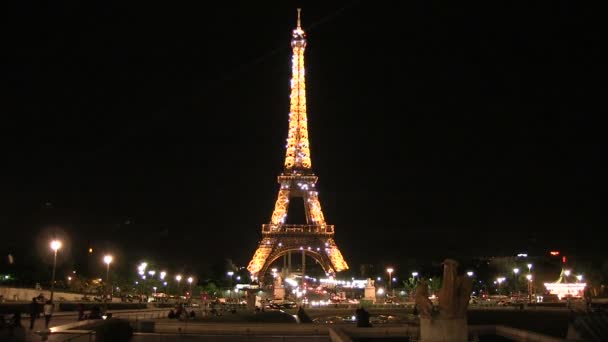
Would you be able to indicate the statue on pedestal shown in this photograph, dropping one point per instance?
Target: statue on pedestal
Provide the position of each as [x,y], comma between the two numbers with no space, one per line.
[279,289]
[278,281]
[369,293]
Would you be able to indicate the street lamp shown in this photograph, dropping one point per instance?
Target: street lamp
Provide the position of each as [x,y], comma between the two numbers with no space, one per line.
[151,273]
[389,270]
[141,270]
[529,267]
[579,277]
[230,274]
[108,260]
[55,245]
[516,272]
[470,273]
[499,281]
[178,278]
[163,274]
[190,282]
[567,273]
[529,277]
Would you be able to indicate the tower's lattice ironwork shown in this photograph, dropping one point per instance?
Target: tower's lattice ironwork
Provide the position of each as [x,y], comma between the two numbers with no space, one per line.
[315,238]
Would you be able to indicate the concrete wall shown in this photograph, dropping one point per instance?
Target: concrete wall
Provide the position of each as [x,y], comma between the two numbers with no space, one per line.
[26,295]
[19,294]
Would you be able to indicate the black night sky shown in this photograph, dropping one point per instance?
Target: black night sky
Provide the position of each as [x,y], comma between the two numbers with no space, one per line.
[437,128]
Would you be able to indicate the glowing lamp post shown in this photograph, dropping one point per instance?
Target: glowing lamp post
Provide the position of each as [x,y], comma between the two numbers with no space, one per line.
[470,273]
[178,278]
[579,278]
[230,274]
[55,246]
[163,274]
[500,280]
[108,260]
[516,272]
[390,271]
[190,283]
[141,270]
[529,277]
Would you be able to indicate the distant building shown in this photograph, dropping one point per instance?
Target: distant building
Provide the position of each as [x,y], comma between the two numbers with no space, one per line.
[567,285]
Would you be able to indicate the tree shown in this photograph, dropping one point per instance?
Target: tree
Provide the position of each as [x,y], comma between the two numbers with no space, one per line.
[410,285]
[211,289]
[434,284]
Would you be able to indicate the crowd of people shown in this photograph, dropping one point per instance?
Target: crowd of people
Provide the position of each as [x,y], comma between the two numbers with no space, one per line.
[181,313]
[37,308]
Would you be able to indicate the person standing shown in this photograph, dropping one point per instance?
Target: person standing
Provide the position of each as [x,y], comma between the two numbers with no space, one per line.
[16,331]
[587,295]
[34,312]
[362,317]
[48,312]
[80,311]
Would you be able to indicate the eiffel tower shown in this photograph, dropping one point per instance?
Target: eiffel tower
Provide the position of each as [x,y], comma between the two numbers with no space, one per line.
[314,239]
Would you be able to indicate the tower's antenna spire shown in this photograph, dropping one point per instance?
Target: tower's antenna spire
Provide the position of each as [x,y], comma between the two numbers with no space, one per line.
[299,26]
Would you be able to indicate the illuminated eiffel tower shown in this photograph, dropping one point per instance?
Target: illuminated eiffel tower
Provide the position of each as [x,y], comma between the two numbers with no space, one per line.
[315,238]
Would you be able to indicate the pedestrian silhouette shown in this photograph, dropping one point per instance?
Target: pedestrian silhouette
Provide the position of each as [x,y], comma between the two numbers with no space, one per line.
[587,295]
[16,319]
[95,313]
[362,317]
[48,312]
[80,312]
[302,316]
[16,331]
[34,312]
